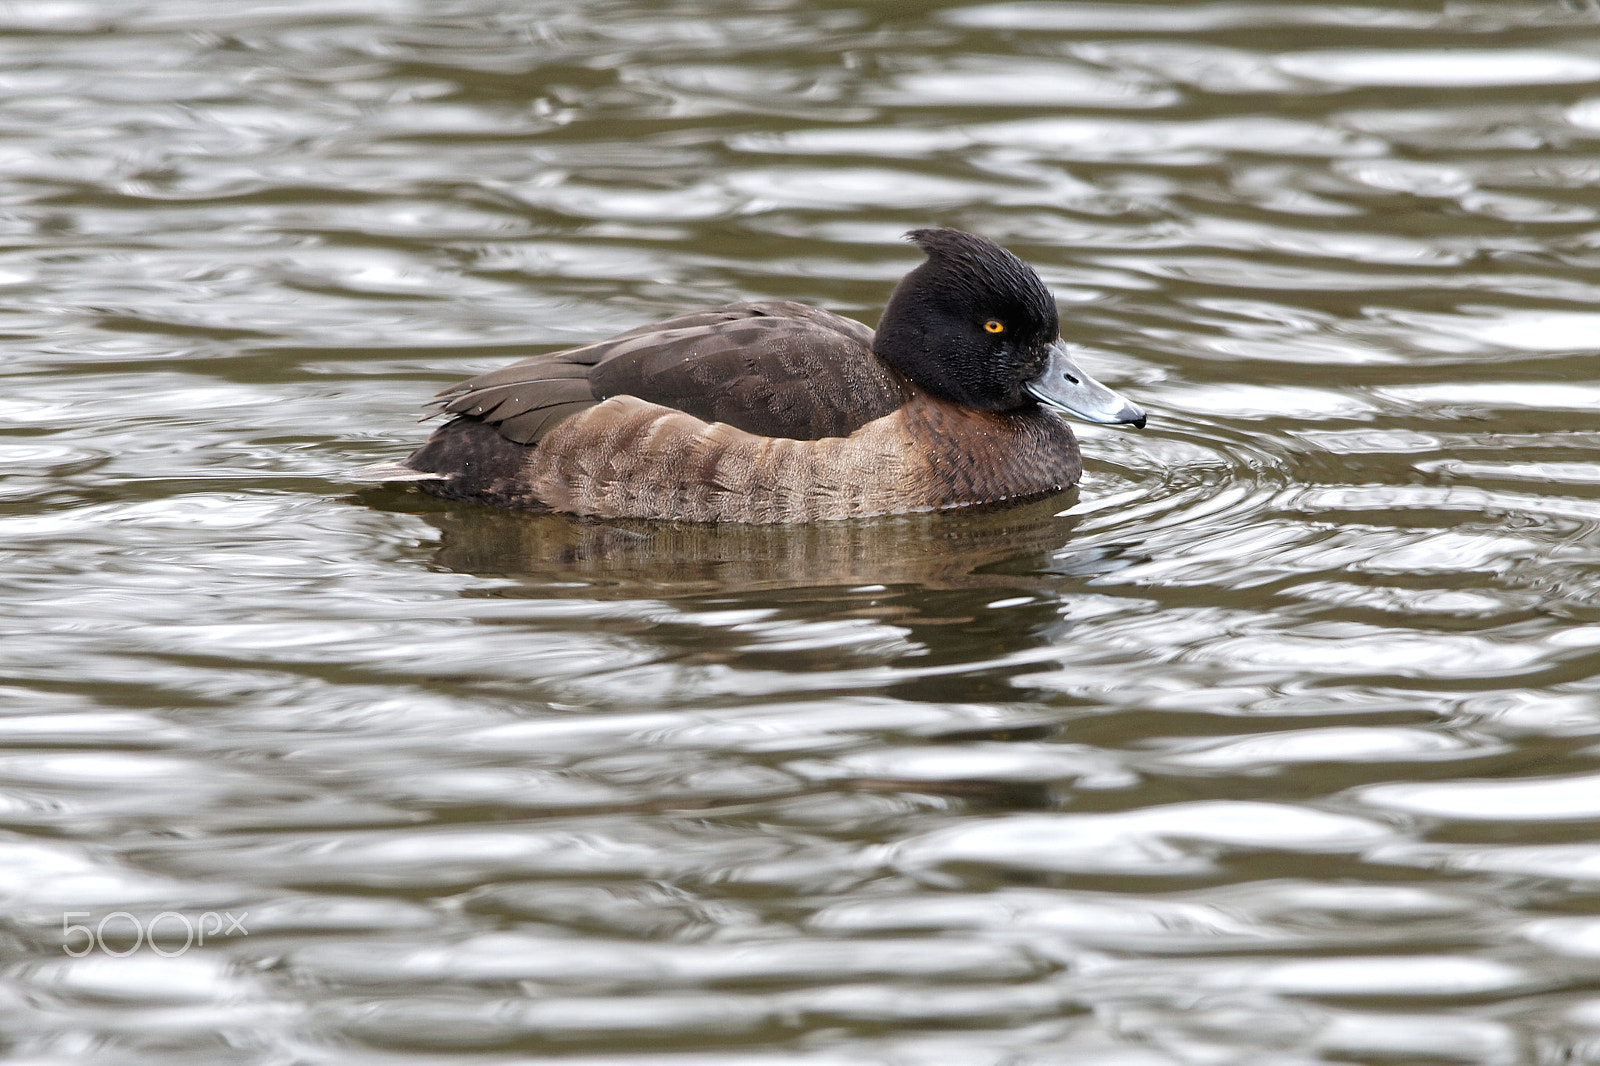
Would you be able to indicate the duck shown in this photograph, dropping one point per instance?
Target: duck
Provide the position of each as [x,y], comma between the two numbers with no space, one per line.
[773,411]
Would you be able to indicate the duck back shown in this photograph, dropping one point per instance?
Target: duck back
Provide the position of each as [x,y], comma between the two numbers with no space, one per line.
[775,368]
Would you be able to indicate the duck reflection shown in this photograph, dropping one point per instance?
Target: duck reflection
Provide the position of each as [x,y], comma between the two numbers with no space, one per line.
[932,550]
[939,611]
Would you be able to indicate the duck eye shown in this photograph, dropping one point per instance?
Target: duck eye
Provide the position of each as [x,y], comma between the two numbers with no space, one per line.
[994,325]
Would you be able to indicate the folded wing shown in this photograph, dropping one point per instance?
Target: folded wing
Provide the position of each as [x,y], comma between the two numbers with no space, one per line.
[772,368]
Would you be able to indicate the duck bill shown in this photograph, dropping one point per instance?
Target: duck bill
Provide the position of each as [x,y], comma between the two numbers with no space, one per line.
[1065,387]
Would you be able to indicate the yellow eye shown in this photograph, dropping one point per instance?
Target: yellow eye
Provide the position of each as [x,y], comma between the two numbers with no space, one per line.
[994,325]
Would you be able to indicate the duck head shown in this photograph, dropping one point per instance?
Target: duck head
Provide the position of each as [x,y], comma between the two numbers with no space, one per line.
[975,325]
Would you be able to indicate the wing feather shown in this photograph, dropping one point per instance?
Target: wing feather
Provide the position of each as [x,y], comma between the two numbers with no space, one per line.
[773,368]
[531,426]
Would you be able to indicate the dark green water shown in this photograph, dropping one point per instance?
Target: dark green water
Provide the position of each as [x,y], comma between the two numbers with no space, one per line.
[1276,743]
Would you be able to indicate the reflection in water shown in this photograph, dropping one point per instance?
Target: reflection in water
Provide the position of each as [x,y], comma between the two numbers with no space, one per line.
[546,552]
[904,603]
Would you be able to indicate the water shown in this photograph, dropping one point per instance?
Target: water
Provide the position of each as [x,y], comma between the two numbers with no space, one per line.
[1275,742]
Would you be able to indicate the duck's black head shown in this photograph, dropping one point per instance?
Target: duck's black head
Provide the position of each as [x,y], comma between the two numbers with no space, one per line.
[975,325]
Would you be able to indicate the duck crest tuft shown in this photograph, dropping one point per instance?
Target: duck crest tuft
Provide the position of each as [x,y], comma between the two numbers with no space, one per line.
[984,271]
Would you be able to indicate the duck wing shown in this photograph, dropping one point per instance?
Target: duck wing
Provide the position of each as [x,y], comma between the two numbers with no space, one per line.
[772,368]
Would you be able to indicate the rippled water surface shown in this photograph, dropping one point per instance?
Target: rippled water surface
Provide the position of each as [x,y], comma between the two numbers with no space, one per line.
[1274,743]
